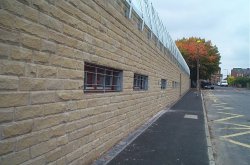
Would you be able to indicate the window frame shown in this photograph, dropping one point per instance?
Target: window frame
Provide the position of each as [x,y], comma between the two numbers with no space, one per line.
[140,82]
[101,79]
[163,84]
[173,84]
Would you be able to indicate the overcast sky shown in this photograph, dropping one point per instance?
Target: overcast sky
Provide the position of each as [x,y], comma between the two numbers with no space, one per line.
[225,22]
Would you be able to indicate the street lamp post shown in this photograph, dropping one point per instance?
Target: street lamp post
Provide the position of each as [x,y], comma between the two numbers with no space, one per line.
[198,73]
[198,69]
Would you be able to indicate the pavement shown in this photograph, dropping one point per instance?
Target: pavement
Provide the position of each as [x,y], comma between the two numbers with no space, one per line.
[175,136]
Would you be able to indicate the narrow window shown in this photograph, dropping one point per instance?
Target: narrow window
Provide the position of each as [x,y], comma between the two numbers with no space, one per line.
[101,79]
[163,83]
[175,84]
[140,82]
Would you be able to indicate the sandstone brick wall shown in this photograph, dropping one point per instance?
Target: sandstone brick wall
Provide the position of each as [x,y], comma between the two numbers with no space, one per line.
[45,116]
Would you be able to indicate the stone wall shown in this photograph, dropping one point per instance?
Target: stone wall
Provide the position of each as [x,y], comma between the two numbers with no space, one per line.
[45,116]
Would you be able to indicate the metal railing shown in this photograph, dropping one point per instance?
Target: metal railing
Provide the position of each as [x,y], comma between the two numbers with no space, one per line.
[150,17]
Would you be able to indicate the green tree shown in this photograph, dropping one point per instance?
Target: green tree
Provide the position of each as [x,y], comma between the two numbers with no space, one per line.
[194,49]
[231,80]
[242,81]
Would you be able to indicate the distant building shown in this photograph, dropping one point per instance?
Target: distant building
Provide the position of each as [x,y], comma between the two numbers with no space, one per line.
[240,72]
[215,78]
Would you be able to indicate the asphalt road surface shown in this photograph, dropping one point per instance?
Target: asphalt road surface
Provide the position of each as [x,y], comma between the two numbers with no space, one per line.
[176,138]
[228,111]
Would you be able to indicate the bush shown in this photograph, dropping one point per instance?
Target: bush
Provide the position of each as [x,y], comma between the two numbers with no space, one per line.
[242,81]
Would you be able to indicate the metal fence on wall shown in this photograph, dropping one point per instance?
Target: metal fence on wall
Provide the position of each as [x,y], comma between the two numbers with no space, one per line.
[149,16]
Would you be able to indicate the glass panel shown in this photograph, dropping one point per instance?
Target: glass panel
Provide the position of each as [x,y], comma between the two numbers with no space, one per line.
[109,72]
[140,82]
[108,80]
[90,77]
[89,68]
[100,79]
[163,84]
[100,70]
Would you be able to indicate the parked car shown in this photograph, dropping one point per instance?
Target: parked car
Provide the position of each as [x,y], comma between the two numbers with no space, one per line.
[224,83]
[206,85]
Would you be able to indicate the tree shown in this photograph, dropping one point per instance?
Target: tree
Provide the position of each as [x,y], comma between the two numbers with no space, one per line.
[231,80]
[242,81]
[194,49]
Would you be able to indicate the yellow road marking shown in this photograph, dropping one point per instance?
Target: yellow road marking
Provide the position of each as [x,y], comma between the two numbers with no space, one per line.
[241,125]
[220,107]
[224,108]
[228,118]
[236,128]
[237,143]
[227,113]
[236,134]
[220,104]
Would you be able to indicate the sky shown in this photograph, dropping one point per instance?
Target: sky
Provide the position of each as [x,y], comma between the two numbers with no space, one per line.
[226,23]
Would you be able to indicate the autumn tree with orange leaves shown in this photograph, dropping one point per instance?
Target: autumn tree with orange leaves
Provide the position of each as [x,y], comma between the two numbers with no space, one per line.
[194,49]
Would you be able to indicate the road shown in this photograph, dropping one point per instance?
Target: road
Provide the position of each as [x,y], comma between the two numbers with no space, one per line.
[228,111]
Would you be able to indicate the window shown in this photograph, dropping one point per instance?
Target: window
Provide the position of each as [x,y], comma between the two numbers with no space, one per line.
[163,84]
[173,84]
[101,79]
[140,82]
[177,84]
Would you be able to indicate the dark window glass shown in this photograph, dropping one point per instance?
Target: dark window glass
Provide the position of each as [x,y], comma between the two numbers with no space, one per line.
[101,79]
[140,82]
[163,83]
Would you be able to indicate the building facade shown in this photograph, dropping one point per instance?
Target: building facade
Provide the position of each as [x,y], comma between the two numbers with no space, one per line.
[217,77]
[240,72]
[76,77]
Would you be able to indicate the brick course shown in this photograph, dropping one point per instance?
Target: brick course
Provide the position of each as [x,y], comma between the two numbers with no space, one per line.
[45,117]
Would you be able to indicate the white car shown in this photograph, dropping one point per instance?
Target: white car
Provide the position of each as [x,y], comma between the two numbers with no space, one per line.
[224,83]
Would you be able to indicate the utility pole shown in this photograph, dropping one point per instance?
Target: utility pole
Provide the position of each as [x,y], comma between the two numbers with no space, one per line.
[198,73]
[198,69]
